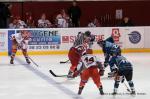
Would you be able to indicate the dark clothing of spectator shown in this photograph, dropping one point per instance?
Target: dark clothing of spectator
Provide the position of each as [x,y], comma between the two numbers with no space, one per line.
[8,15]
[4,15]
[126,22]
[75,13]
[129,23]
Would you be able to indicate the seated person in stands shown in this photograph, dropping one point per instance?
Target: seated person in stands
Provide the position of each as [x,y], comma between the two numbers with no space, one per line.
[13,24]
[43,22]
[126,22]
[29,20]
[17,23]
[94,23]
[62,19]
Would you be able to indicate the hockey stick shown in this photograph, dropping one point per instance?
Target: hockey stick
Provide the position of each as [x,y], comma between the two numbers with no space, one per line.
[61,62]
[127,87]
[56,75]
[33,62]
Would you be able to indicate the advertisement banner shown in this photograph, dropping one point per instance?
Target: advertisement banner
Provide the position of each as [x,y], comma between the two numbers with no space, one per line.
[147,37]
[44,39]
[3,41]
[134,37]
[61,39]
[69,35]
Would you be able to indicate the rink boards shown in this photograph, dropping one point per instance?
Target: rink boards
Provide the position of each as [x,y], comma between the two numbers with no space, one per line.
[59,40]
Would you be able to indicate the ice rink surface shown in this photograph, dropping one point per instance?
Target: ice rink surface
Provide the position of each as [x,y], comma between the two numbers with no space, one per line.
[22,81]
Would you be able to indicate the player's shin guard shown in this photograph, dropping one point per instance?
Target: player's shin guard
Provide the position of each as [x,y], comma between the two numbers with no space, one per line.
[80,90]
[116,85]
[82,84]
[13,56]
[131,87]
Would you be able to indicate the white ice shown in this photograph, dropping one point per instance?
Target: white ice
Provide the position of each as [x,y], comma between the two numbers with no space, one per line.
[22,81]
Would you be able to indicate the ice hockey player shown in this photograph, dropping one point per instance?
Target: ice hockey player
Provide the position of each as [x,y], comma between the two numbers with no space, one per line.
[110,39]
[122,69]
[81,43]
[108,48]
[20,41]
[89,66]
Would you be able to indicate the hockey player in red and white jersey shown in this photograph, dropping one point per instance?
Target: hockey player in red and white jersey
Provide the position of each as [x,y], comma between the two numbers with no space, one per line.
[20,41]
[89,66]
[81,44]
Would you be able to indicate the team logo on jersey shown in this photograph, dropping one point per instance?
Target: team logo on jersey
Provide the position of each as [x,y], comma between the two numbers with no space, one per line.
[134,37]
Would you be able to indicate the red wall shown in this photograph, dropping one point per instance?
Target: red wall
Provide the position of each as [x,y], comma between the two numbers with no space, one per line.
[138,11]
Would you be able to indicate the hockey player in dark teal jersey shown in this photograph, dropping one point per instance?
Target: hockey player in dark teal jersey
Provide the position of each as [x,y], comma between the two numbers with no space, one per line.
[110,39]
[122,68]
[108,48]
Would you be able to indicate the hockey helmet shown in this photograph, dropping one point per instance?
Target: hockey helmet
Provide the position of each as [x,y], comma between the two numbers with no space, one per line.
[87,33]
[100,41]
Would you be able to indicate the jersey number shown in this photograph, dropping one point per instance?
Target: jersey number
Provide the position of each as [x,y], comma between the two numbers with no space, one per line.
[124,61]
[89,60]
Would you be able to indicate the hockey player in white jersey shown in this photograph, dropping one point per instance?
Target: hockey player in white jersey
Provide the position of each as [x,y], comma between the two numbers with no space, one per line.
[90,66]
[20,41]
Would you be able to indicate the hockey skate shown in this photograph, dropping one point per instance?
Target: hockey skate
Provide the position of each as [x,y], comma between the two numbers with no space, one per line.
[70,75]
[11,61]
[27,60]
[133,92]
[101,90]
[115,92]
[80,90]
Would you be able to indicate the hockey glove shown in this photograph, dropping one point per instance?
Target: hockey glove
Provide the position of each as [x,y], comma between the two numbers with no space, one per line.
[105,64]
[75,74]
[101,72]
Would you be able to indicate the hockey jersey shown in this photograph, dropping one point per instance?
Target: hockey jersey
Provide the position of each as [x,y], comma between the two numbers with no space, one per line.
[110,47]
[121,63]
[88,61]
[20,40]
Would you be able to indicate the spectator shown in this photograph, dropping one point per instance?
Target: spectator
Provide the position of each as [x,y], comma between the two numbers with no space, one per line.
[17,23]
[21,23]
[8,13]
[94,23]
[14,23]
[66,17]
[43,22]
[75,14]
[126,22]
[3,16]
[62,19]
[91,24]
[30,22]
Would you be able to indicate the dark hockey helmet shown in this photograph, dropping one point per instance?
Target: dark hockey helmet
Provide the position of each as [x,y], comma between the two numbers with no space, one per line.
[100,41]
[87,33]
[92,38]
